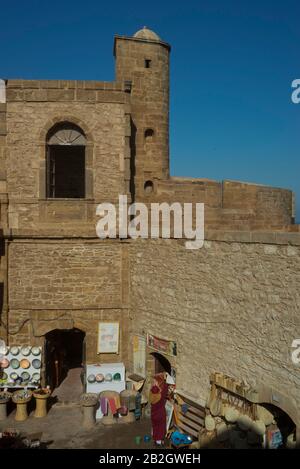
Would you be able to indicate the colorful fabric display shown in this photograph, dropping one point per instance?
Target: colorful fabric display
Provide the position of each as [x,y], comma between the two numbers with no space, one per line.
[118,402]
[112,405]
[104,405]
[138,406]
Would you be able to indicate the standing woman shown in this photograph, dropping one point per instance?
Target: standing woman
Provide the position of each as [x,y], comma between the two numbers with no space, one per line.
[158,398]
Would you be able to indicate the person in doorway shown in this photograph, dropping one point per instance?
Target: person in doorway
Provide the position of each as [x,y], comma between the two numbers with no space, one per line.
[157,398]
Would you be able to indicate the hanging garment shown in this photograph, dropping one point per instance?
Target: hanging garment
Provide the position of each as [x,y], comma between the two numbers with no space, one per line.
[104,405]
[138,406]
[158,415]
[117,402]
[112,406]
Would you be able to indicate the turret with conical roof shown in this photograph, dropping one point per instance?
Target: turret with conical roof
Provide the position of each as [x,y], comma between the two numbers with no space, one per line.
[143,59]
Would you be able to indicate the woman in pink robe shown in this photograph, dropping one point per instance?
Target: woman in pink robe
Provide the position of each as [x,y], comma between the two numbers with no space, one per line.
[158,398]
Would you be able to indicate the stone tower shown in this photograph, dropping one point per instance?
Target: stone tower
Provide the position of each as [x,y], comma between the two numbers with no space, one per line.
[143,60]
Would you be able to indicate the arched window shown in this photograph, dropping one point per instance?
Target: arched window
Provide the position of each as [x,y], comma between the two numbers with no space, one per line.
[66,144]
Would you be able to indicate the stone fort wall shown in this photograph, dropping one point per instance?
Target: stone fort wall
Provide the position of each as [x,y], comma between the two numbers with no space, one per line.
[231,307]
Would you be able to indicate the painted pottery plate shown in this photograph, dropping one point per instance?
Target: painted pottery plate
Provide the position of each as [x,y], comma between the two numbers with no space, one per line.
[36,351]
[91,378]
[35,377]
[25,363]
[108,377]
[4,350]
[26,350]
[14,376]
[4,377]
[36,363]
[14,350]
[25,376]
[4,363]
[15,364]
[117,377]
[99,377]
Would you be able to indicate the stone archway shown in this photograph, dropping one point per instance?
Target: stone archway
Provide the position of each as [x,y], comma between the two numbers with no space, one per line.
[161,363]
[283,406]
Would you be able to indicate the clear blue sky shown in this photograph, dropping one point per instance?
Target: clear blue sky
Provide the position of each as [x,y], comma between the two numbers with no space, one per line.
[232,64]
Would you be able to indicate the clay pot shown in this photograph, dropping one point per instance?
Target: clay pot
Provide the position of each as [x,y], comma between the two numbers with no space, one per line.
[41,397]
[264,415]
[21,399]
[4,398]
[231,414]
[210,423]
[244,422]
[222,432]
[258,427]
[89,402]
[216,407]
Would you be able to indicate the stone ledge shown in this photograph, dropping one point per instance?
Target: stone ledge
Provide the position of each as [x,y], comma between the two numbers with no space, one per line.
[259,237]
[66,85]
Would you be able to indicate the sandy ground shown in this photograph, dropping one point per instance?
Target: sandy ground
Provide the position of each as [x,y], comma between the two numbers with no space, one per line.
[62,429]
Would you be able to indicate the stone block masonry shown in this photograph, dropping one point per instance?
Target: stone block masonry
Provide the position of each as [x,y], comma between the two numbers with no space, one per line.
[231,307]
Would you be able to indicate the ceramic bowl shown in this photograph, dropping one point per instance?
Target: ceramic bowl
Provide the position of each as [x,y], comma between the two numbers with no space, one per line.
[99,378]
[25,376]
[15,364]
[91,378]
[24,364]
[4,363]
[14,350]
[117,377]
[25,350]
[3,377]
[14,376]
[36,377]
[4,350]
[36,363]
[36,351]
[108,377]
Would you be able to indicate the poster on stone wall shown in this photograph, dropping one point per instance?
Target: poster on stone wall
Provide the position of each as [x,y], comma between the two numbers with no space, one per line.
[161,345]
[139,355]
[108,337]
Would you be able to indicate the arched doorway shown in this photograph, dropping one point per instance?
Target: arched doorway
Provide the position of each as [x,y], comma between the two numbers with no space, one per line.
[64,357]
[161,363]
[282,432]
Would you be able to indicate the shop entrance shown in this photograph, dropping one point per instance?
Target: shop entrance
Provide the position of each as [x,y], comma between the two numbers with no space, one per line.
[282,433]
[161,363]
[64,357]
